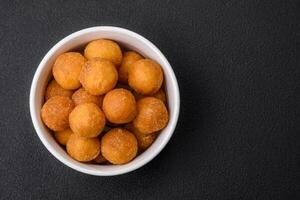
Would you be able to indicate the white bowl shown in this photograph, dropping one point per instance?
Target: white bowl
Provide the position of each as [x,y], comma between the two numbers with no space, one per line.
[131,41]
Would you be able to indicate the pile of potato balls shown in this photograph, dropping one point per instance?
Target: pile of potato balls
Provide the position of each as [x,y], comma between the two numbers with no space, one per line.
[105,106]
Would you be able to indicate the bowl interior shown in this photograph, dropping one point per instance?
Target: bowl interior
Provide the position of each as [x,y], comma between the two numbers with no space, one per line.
[128,40]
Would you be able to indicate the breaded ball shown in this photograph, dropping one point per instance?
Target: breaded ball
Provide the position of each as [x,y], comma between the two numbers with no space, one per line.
[62,137]
[54,89]
[119,146]
[160,94]
[81,96]
[100,159]
[152,115]
[83,149]
[66,70]
[55,113]
[87,120]
[129,58]
[98,76]
[105,49]
[119,106]
[145,76]
[144,141]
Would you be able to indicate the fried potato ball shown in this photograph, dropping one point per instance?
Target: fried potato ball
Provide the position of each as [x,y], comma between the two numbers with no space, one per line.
[55,113]
[87,120]
[100,159]
[66,70]
[81,96]
[152,115]
[160,94]
[83,149]
[129,58]
[62,137]
[119,106]
[119,146]
[145,76]
[54,89]
[105,49]
[98,76]
[144,141]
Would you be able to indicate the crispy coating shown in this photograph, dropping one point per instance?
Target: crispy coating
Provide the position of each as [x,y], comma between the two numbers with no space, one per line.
[54,89]
[66,70]
[144,141]
[83,149]
[81,96]
[152,115]
[145,76]
[55,113]
[100,159]
[62,137]
[160,94]
[129,58]
[105,49]
[119,146]
[87,120]
[98,76]
[119,106]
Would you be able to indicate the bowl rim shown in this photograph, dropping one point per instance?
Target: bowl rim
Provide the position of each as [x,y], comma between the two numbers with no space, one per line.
[36,123]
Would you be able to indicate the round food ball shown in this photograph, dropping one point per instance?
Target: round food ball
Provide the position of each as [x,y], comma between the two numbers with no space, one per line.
[119,106]
[66,70]
[83,149]
[160,94]
[119,146]
[62,137]
[105,49]
[145,76]
[144,141]
[98,76]
[152,115]
[100,159]
[129,58]
[82,96]
[55,113]
[54,89]
[87,120]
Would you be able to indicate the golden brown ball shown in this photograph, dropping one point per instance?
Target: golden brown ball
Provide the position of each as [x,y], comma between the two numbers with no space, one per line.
[145,76]
[119,106]
[87,120]
[129,58]
[81,96]
[119,146]
[98,76]
[152,115]
[66,70]
[83,149]
[160,94]
[144,141]
[55,113]
[62,137]
[105,49]
[100,159]
[54,89]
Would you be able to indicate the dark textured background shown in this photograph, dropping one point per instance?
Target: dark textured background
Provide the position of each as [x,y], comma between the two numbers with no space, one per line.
[238,68]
